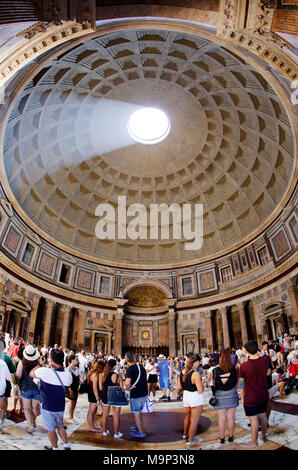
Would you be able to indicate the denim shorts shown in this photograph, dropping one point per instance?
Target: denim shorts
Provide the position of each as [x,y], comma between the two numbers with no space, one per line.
[2,396]
[164,382]
[31,394]
[52,419]
[136,404]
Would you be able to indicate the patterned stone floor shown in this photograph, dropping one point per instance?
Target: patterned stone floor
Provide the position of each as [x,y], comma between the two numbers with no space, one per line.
[283,431]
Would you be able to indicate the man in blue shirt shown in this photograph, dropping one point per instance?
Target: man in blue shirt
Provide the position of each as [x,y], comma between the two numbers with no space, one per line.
[165,376]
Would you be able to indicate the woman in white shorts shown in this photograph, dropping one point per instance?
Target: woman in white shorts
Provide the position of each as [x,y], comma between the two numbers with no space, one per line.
[193,399]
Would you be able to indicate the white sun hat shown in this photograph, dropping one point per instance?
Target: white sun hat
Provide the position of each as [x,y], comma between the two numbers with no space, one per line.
[30,353]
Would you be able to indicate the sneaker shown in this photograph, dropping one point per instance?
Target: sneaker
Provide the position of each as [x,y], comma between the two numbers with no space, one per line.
[134,428]
[137,434]
[164,397]
[195,441]
[2,430]
[73,421]
[169,399]
[155,399]
[106,433]
[48,447]
[262,440]
[185,436]
[118,435]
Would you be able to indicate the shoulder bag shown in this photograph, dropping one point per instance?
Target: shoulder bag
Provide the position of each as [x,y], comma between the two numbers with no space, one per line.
[119,397]
[61,383]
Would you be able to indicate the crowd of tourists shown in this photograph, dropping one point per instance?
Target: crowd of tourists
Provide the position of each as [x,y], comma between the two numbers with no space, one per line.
[40,379]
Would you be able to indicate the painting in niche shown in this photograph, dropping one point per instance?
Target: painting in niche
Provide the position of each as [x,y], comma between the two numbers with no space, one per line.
[145,334]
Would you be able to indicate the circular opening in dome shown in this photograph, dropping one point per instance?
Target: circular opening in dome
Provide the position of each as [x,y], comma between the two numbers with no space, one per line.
[148,126]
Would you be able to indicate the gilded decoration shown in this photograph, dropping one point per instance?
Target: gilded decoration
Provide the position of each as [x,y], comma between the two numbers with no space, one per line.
[145,296]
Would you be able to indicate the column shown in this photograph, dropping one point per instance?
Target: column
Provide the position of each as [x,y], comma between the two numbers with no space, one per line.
[92,341]
[109,344]
[118,331]
[47,326]
[6,319]
[81,328]
[155,341]
[243,325]
[172,331]
[225,326]
[3,280]
[209,332]
[22,325]
[258,320]
[65,312]
[18,325]
[293,297]
[33,316]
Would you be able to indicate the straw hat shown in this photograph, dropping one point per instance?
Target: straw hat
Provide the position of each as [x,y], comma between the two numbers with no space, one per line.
[30,353]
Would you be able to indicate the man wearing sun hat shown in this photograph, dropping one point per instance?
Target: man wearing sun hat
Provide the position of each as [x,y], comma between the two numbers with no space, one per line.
[4,377]
[164,376]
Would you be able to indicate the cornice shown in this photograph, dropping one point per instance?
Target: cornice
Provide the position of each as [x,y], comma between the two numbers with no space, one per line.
[288,269]
[50,290]
[239,294]
[42,41]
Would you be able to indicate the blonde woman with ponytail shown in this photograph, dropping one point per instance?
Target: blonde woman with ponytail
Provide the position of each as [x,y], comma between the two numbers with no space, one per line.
[193,399]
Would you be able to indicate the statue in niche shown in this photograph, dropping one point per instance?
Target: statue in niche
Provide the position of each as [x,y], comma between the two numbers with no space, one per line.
[100,345]
[278,330]
[190,347]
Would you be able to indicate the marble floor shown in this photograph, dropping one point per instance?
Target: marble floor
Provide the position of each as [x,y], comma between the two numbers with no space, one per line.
[282,432]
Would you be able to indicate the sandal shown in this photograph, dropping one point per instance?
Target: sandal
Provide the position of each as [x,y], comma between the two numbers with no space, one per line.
[220,441]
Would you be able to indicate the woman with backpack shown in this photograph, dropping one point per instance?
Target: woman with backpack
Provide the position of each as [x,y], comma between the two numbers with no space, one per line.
[110,379]
[225,378]
[29,391]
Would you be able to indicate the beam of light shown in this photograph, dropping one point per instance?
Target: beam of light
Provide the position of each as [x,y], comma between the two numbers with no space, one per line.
[148,126]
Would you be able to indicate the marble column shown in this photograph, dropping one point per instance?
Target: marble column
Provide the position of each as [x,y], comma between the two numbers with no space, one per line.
[208,322]
[92,341]
[243,326]
[33,316]
[3,280]
[293,297]
[81,328]
[48,319]
[6,319]
[18,325]
[225,326]
[155,340]
[22,326]
[65,312]
[118,331]
[172,331]
[258,320]
[109,344]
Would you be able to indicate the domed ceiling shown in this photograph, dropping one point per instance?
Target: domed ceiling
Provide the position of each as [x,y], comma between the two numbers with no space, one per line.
[67,148]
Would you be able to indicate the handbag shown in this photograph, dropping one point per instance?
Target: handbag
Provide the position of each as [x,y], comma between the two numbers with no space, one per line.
[84,387]
[116,396]
[148,406]
[213,400]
